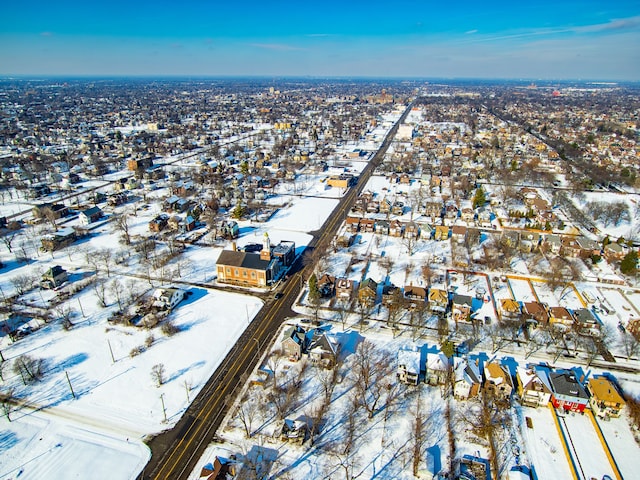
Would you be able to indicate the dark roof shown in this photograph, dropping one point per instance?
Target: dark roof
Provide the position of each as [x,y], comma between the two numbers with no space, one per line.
[565,383]
[369,283]
[584,315]
[462,299]
[92,211]
[55,271]
[242,259]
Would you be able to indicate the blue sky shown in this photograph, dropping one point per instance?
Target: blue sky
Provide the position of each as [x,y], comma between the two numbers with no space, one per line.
[574,39]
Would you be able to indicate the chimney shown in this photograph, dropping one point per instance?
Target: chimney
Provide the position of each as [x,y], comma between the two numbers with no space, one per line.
[234,246]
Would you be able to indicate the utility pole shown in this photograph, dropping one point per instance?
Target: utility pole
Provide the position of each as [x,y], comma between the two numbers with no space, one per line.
[164,410]
[73,394]
[113,359]
[81,309]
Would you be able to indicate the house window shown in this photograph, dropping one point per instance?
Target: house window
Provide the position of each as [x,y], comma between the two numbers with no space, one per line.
[244,273]
[237,272]
[228,270]
[253,274]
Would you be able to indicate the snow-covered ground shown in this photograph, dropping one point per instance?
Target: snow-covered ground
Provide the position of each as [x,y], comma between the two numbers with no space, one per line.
[40,444]
[117,401]
[542,444]
[381,446]
[585,447]
[624,448]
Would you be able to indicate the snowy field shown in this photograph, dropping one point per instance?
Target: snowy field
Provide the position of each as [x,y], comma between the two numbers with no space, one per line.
[51,449]
[564,297]
[117,401]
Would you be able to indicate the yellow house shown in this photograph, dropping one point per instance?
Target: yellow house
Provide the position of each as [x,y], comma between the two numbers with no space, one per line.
[442,232]
[605,400]
[338,181]
[509,309]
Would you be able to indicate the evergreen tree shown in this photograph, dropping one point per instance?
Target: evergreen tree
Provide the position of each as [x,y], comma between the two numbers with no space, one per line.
[314,292]
[479,199]
[239,211]
[629,262]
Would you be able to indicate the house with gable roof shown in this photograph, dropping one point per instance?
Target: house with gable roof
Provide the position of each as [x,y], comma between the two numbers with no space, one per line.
[436,368]
[467,378]
[509,310]
[294,342]
[438,300]
[323,349]
[605,400]
[498,382]
[409,366]
[533,386]
[568,392]
[368,292]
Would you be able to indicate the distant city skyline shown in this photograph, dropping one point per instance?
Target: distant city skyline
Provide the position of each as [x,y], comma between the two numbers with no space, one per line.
[575,39]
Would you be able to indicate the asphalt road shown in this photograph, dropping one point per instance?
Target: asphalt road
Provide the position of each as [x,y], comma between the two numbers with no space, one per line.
[176,451]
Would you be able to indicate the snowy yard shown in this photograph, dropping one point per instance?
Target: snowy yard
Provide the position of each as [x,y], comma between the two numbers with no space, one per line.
[623,446]
[542,444]
[585,447]
[380,445]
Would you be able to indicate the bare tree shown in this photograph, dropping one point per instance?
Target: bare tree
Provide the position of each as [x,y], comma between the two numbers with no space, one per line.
[31,369]
[247,412]
[363,310]
[118,290]
[427,273]
[630,344]
[65,313]
[104,257]
[387,265]
[538,340]
[342,312]
[8,239]
[488,417]
[395,309]
[50,216]
[121,224]
[23,283]
[371,367]
[409,241]
[158,373]
[418,435]
[273,363]
[7,399]
[417,318]
[100,289]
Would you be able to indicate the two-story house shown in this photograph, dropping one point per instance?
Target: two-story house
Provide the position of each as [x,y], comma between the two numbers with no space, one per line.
[605,399]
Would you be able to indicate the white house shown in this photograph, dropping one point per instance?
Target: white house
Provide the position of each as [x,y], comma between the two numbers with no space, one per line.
[436,369]
[409,366]
[90,215]
[533,387]
[167,298]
